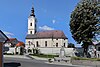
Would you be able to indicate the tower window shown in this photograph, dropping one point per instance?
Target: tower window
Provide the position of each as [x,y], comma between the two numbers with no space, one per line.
[30,32]
[30,24]
[45,43]
[56,44]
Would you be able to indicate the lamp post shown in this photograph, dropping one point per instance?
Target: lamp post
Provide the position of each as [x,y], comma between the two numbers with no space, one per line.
[3,39]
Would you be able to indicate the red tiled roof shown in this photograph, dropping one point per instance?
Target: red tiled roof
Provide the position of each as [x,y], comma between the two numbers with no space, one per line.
[20,44]
[12,39]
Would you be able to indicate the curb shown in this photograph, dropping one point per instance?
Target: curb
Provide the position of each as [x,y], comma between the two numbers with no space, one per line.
[29,56]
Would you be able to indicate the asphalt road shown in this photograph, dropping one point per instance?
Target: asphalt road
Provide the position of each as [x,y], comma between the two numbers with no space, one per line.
[21,62]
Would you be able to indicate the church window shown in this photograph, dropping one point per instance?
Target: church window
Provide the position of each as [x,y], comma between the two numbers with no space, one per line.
[30,24]
[98,48]
[56,44]
[64,44]
[29,42]
[45,43]
[30,32]
[37,44]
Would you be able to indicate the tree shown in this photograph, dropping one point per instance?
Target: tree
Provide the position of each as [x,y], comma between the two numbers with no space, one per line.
[84,22]
[71,45]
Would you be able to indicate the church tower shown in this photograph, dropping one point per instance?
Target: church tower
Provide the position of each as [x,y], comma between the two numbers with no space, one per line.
[32,23]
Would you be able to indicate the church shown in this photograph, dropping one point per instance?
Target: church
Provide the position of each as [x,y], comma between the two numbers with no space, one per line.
[44,42]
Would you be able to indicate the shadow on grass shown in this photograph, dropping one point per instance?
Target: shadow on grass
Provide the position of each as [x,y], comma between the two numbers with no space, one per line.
[12,64]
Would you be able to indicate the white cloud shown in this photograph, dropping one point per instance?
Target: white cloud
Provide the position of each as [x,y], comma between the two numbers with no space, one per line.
[45,27]
[53,21]
[8,34]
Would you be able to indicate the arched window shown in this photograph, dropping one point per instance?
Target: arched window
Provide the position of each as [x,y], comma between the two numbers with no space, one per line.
[30,32]
[37,44]
[45,43]
[30,24]
[56,44]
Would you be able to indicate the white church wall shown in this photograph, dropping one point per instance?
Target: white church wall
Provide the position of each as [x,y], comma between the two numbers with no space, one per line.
[50,42]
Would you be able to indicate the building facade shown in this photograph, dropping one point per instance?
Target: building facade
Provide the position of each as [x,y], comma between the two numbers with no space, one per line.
[46,42]
[94,50]
[15,46]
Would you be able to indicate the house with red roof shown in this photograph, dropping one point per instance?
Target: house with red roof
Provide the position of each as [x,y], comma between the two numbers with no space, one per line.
[15,46]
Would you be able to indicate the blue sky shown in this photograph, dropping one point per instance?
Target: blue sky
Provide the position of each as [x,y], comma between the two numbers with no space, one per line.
[50,14]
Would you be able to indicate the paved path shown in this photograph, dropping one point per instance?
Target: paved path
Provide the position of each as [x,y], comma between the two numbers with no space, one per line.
[20,62]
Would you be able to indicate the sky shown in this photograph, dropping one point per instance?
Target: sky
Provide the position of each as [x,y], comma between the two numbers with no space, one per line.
[50,14]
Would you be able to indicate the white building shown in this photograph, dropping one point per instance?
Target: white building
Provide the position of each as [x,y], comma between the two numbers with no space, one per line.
[47,42]
[94,50]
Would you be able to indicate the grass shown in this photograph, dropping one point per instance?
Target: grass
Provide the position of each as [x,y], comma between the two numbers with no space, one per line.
[80,58]
[44,55]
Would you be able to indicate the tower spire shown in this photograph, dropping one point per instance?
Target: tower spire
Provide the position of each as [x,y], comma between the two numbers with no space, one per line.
[32,12]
